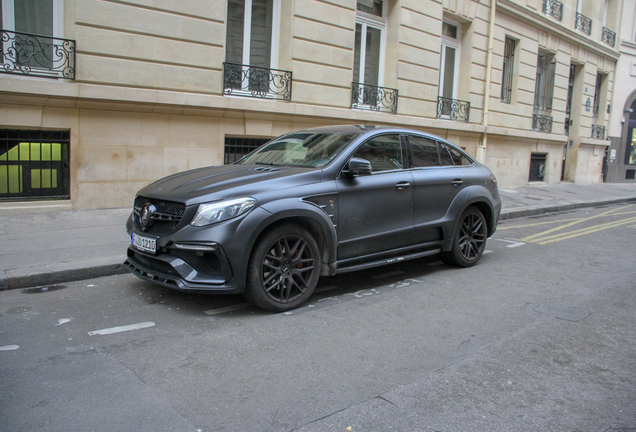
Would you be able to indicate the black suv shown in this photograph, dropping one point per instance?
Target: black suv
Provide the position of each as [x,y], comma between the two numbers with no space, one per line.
[314,202]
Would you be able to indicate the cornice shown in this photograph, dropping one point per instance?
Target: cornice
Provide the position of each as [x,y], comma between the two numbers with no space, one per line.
[545,23]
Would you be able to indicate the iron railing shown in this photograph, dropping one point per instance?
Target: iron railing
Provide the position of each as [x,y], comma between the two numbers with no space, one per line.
[583,23]
[541,123]
[553,8]
[253,81]
[609,37]
[370,97]
[598,132]
[452,109]
[36,55]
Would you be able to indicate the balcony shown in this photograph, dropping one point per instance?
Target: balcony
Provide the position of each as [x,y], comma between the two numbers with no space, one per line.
[598,132]
[374,98]
[452,109]
[583,24]
[253,81]
[553,8]
[541,123]
[609,37]
[36,55]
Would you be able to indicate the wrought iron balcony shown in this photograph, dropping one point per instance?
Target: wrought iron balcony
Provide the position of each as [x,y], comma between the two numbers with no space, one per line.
[541,123]
[253,81]
[609,37]
[553,8]
[452,109]
[598,132]
[374,98]
[36,55]
[583,23]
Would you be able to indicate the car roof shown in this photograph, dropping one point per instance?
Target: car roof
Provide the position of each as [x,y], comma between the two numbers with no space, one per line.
[363,129]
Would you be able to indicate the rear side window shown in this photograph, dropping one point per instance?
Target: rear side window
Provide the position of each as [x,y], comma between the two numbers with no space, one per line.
[384,152]
[423,152]
[458,157]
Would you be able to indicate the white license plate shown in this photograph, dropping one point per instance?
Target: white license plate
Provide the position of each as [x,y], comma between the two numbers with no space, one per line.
[144,243]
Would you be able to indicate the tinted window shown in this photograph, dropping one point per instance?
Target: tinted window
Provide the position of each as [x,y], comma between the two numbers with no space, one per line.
[444,157]
[458,157]
[423,152]
[384,152]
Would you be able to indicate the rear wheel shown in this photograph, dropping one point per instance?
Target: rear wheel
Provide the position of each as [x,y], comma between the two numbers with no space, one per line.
[469,240]
[284,269]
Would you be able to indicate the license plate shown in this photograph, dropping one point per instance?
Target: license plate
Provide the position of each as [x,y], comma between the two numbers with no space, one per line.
[144,243]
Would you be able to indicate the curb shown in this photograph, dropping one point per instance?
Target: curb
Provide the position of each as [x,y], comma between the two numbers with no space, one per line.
[8,282]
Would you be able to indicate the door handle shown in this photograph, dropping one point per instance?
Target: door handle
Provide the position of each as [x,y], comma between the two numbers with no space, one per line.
[457,182]
[402,185]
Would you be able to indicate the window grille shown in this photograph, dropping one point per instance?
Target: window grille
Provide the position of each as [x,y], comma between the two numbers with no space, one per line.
[597,96]
[544,85]
[236,148]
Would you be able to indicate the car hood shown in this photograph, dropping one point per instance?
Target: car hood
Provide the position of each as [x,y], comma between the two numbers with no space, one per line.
[220,182]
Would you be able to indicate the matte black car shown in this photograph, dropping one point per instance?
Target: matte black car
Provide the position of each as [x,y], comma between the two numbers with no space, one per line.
[311,203]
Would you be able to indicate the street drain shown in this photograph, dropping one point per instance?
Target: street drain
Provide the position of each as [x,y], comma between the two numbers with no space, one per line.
[43,289]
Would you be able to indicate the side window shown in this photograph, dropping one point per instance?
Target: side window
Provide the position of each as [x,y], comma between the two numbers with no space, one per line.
[458,157]
[444,156]
[384,152]
[423,152]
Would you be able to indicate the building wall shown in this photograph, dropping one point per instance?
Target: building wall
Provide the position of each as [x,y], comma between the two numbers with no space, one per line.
[147,99]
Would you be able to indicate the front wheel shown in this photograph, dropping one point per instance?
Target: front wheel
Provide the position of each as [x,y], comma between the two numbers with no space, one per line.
[469,240]
[284,269]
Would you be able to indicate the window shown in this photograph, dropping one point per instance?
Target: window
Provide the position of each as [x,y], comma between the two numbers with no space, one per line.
[458,157]
[597,95]
[423,152]
[383,152]
[236,148]
[444,156]
[508,64]
[449,63]
[544,85]
[252,32]
[369,43]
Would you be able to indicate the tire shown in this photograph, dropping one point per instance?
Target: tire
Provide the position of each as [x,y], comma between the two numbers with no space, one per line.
[284,269]
[469,239]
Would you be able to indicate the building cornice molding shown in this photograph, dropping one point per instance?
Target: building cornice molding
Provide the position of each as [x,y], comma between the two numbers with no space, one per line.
[544,23]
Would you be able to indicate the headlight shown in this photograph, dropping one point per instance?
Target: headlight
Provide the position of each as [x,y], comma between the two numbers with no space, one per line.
[222,210]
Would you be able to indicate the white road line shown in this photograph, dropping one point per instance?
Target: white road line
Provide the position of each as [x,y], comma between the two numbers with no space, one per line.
[9,347]
[487,252]
[226,309]
[513,244]
[120,329]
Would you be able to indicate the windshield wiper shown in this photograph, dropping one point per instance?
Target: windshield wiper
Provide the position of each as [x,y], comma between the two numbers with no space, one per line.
[266,163]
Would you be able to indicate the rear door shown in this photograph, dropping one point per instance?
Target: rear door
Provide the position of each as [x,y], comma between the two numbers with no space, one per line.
[436,183]
[375,211]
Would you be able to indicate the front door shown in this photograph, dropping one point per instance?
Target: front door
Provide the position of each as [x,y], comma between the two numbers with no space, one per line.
[375,211]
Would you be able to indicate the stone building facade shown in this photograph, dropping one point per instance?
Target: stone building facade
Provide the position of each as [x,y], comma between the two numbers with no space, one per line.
[121,93]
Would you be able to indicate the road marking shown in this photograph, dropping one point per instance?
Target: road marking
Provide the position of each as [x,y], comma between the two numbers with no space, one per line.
[226,309]
[120,329]
[9,347]
[513,244]
[486,252]
[63,321]
[577,233]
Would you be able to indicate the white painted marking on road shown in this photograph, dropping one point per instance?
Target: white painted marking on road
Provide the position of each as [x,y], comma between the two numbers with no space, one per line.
[226,309]
[513,244]
[9,347]
[63,321]
[120,329]
[487,252]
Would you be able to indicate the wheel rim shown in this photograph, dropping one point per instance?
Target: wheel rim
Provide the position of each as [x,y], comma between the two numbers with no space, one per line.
[287,269]
[472,237]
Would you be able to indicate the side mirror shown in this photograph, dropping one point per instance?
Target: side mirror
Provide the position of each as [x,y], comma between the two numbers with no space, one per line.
[358,167]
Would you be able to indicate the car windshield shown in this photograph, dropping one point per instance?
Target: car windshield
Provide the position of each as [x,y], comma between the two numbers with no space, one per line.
[303,149]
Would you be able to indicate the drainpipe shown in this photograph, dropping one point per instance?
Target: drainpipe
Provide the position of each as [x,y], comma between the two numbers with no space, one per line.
[481,149]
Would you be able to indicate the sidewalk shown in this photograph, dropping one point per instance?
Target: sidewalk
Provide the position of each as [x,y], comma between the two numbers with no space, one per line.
[52,247]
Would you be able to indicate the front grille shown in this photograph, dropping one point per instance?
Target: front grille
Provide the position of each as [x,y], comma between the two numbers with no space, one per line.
[151,263]
[205,263]
[165,219]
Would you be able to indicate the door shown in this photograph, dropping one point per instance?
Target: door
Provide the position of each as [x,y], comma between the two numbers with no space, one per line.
[436,184]
[537,167]
[375,210]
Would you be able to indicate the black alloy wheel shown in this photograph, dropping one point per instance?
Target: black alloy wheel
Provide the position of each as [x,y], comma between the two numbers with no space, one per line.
[284,269]
[469,240]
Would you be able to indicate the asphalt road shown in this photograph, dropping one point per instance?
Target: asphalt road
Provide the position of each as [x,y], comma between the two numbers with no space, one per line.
[540,335]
